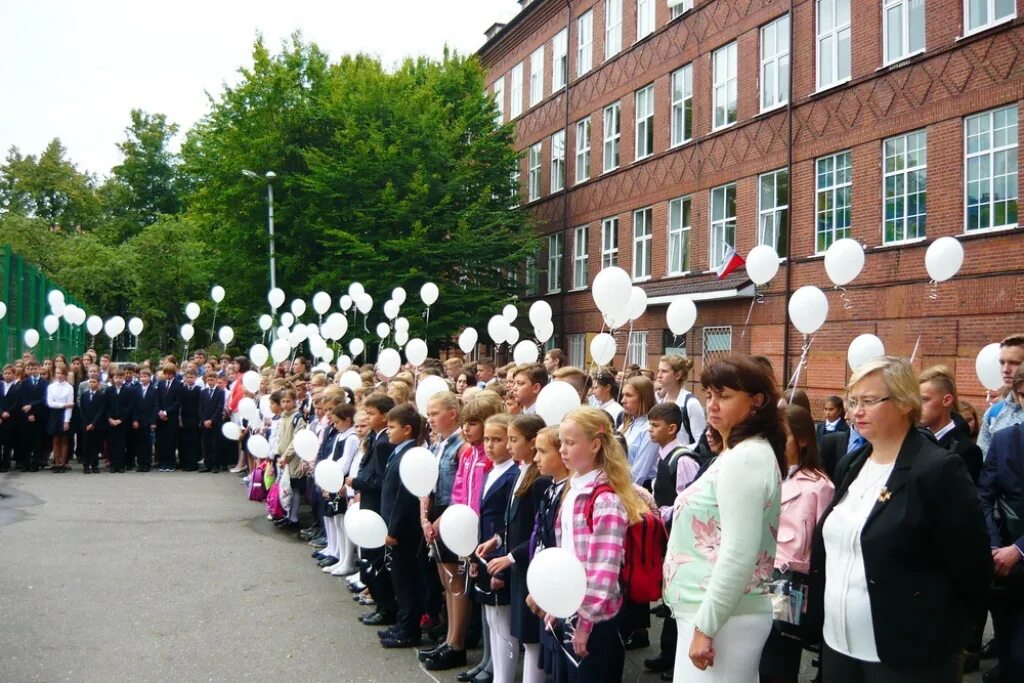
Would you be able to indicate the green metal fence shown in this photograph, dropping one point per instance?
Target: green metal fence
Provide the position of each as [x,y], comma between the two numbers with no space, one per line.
[23,288]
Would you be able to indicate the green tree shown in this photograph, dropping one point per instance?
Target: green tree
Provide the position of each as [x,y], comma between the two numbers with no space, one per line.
[49,187]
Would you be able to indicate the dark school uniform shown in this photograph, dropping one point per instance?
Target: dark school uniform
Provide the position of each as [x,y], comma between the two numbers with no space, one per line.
[552,658]
[211,408]
[168,401]
[93,407]
[520,516]
[494,501]
[34,438]
[121,407]
[145,417]
[188,428]
[401,512]
[7,431]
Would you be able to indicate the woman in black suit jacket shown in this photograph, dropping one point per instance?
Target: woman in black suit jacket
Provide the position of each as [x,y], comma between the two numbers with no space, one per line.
[900,559]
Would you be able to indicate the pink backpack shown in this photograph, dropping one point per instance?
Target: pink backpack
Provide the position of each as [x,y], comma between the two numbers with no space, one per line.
[256,490]
[274,506]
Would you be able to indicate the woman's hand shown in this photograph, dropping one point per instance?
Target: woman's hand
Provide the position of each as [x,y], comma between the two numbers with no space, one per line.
[497,584]
[487,547]
[499,564]
[702,651]
[579,643]
[532,605]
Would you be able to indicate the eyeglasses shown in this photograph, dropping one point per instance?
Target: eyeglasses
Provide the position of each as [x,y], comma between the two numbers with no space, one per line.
[855,403]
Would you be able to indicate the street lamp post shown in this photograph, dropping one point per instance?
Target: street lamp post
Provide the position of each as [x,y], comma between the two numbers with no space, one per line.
[270,175]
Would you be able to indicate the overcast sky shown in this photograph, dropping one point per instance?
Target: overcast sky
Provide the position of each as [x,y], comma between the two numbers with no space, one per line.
[74,69]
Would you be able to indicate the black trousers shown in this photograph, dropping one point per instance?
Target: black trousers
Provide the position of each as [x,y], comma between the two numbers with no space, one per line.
[407,583]
[166,441]
[188,446]
[116,441]
[92,444]
[211,451]
[6,444]
[376,577]
[1007,609]
[606,658]
[142,442]
[837,668]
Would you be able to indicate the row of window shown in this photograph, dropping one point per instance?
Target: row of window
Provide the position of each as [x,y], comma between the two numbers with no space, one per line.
[903,28]
[716,343]
[990,202]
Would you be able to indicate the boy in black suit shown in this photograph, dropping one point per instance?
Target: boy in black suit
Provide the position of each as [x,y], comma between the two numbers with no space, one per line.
[168,412]
[8,399]
[144,421]
[211,417]
[188,434]
[93,407]
[33,423]
[120,410]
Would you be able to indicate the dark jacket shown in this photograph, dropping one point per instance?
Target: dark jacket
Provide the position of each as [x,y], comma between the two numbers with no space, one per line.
[494,504]
[168,399]
[958,441]
[211,407]
[926,554]
[94,410]
[520,516]
[188,403]
[841,426]
[1001,488]
[10,403]
[121,406]
[145,406]
[371,472]
[34,396]
[399,508]
[831,449]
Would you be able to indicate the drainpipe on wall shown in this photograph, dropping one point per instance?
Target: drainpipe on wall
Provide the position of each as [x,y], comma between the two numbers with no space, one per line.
[789,200]
[566,274]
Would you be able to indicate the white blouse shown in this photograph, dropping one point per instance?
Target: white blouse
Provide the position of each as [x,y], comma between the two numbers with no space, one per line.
[58,395]
[848,628]
[565,513]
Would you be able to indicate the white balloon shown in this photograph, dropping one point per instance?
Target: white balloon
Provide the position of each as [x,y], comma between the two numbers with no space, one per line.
[344,363]
[602,348]
[556,400]
[345,302]
[110,328]
[305,443]
[280,350]
[356,290]
[135,326]
[69,314]
[418,471]
[637,304]
[187,332]
[467,340]
[944,258]
[416,352]
[119,324]
[275,298]
[259,354]
[391,309]
[611,289]
[398,295]
[283,332]
[93,324]
[246,405]
[617,320]
[79,316]
[251,381]
[680,316]
[843,261]
[329,475]
[55,297]
[335,326]
[512,335]
[287,319]
[192,310]
[31,338]
[525,352]
[366,528]
[364,303]
[389,362]
[497,328]
[988,367]
[459,527]
[401,324]
[427,388]
[401,338]
[258,446]
[356,347]
[544,331]
[863,348]
[762,264]
[58,308]
[301,333]
[3,310]
[217,294]
[266,322]
[429,293]
[313,330]
[298,307]
[294,339]
[225,334]
[231,430]
[540,312]
[351,379]
[321,302]
[808,309]
[326,354]
[51,324]
[383,330]
[510,313]
[557,581]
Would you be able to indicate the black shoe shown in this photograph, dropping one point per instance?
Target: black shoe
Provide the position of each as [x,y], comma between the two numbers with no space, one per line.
[636,641]
[424,655]
[356,587]
[205,469]
[667,675]
[86,470]
[328,561]
[470,675]
[988,650]
[317,555]
[659,664]
[447,658]
[399,642]
[378,619]
[993,675]
[388,632]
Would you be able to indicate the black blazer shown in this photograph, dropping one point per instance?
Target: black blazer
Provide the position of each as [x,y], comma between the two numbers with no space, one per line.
[958,441]
[1001,488]
[94,410]
[831,449]
[371,472]
[34,396]
[926,554]
[520,516]
[168,399]
[145,406]
[211,407]
[189,406]
[399,508]
[10,403]
[494,504]
[121,406]
[841,426]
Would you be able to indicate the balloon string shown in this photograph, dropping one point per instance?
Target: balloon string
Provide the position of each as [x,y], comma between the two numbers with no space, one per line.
[916,345]
[750,312]
[625,359]
[561,644]
[847,304]
[933,293]
[213,326]
[800,366]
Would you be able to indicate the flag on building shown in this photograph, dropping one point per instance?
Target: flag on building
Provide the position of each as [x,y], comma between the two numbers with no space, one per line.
[730,262]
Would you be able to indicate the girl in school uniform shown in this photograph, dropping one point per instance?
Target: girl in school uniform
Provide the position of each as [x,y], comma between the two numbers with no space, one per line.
[60,399]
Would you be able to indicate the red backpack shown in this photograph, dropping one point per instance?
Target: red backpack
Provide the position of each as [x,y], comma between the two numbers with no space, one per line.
[645,545]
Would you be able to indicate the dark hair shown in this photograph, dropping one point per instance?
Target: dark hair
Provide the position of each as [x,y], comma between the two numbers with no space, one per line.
[407,416]
[470,374]
[485,363]
[801,426]
[529,426]
[742,373]
[605,378]
[243,364]
[763,360]
[667,412]
[837,402]
[797,397]
[534,372]
[382,403]
[344,411]
[557,355]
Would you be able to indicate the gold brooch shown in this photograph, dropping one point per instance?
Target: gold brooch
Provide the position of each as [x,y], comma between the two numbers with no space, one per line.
[884,495]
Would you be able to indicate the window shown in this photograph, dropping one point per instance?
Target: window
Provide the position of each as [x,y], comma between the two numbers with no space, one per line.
[723,223]
[679,236]
[682,105]
[642,235]
[582,150]
[717,343]
[532,276]
[577,350]
[991,169]
[584,43]
[580,253]
[773,210]
[533,173]
[612,28]
[644,18]
[775,63]
[724,60]
[645,122]
[537,76]
[499,99]
[835,183]
[516,189]
[559,60]
[833,18]
[516,91]
[636,348]
[558,161]
[903,25]
[984,13]
[610,242]
[905,167]
[680,8]
[555,263]
[612,134]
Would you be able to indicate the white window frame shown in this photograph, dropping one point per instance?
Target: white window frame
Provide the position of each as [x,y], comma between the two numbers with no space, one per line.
[612,28]
[644,19]
[554,263]
[776,213]
[559,60]
[833,35]
[585,43]
[609,241]
[724,66]
[643,243]
[987,159]
[990,12]
[775,63]
[681,120]
[583,150]
[905,10]
[580,257]
[612,141]
[532,284]
[679,9]
[834,192]
[516,186]
[558,161]
[533,171]
[636,348]
[499,99]
[537,76]
[644,110]
[894,167]
[577,350]
[680,218]
[722,233]
[515,107]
